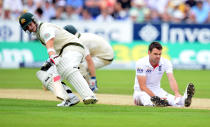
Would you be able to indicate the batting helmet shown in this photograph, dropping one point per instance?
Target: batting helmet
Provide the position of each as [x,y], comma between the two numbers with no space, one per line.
[71,29]
[25,19]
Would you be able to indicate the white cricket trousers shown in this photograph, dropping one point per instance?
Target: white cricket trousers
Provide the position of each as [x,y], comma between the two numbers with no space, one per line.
[141,98]
[98,62]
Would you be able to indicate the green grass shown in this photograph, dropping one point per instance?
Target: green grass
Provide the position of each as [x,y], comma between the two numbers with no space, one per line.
[111,81]
[19,78]
[31,113]
[122,81]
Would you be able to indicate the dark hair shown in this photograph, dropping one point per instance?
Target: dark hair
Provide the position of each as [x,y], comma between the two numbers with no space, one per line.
[39,11]
[156,45]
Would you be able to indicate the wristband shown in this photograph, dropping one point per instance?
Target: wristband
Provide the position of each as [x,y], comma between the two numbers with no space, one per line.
[93,77]
[50,50]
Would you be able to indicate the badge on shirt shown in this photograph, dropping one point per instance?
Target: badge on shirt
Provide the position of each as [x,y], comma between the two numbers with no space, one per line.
[46,36]
[160,68]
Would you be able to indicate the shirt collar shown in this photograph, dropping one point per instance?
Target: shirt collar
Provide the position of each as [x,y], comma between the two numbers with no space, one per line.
[149,64]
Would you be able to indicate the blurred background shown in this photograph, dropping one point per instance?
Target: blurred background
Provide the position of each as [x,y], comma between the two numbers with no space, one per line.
[182,26]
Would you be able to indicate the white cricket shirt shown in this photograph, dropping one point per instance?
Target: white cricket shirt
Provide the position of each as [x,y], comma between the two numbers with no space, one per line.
[97,46]
[47,31]
[153,75]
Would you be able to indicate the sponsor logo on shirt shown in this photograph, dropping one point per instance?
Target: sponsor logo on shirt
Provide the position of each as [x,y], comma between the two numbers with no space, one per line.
[139,70]
[148,71]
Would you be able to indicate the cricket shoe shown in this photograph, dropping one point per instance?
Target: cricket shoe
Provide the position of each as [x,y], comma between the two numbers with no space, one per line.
[71,102]
[157,101]
[90,100]
[189,92]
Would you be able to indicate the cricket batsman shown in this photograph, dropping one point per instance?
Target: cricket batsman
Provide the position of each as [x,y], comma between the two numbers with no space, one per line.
[65,51]
[99,53]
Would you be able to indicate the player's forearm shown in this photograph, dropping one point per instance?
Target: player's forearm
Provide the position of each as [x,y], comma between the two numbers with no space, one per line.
[91,66]
[147,90]
[91,69]
[143,87]
[174,86]
[50,47]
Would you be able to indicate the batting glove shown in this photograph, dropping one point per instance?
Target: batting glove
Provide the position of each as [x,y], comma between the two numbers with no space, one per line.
[93,84]
[55,59]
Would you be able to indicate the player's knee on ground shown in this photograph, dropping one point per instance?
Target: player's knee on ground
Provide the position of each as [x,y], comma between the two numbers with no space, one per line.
[142,99]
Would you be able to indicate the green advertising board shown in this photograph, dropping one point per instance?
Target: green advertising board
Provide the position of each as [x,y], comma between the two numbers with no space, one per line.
[22,52]
[185,53]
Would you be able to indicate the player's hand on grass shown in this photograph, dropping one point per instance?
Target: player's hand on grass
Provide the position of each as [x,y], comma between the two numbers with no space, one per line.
[177,98]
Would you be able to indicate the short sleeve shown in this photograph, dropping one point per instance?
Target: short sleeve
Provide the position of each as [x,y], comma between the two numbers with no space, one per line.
[47,34]
[140,69]
[87,52]
[168,66]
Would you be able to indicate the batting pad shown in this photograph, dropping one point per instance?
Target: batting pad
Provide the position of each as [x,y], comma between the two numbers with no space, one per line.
[80,84]
[84,71]
[44,77]
[49,81]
